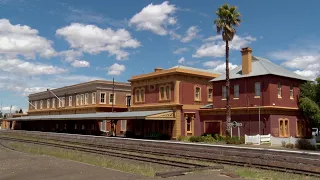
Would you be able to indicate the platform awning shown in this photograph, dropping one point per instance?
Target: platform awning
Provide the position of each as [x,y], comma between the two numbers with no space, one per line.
[147,115]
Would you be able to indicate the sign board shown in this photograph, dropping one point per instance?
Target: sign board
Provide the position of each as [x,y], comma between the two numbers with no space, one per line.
[234,124]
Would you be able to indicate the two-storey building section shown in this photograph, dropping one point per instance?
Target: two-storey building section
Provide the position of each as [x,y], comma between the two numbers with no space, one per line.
[263,97]
[183,90]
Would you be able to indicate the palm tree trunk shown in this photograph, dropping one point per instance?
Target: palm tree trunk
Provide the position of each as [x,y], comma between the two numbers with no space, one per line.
[228,108]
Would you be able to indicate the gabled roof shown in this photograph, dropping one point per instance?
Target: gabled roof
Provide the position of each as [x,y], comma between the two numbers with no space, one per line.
[261,66]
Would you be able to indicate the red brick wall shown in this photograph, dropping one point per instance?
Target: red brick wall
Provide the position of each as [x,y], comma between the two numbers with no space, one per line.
[250,123]
[151,96]
[187,93]
[268,96]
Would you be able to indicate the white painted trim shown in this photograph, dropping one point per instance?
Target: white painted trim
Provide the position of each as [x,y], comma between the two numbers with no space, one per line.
[114,98]
[105,98]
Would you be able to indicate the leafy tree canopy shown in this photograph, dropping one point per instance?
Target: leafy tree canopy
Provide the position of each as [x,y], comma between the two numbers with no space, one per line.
[309,101]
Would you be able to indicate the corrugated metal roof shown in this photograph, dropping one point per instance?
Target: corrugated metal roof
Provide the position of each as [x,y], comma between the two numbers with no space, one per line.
[207,106]
[93,116]
[194,69]
[261,66]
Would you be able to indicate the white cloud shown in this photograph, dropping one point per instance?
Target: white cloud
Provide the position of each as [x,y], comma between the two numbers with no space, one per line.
[23,40]
[116,69]
[180,50]
[70,55]
[214,38]
[27,68]
[80,63]
[155,18]
[93,40]
[215,47]
[211,64]
[181,60]
[304,60]
[6,109]
[174,35]
[221,68]
[190,34]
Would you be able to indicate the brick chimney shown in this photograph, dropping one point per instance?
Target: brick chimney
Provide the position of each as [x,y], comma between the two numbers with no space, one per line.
[246,60]
[157,69]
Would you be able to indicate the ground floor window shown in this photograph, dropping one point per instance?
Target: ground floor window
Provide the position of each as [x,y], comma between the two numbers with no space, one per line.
[301,128]
[123,125]
[189,120]
[103,125]
[284,130]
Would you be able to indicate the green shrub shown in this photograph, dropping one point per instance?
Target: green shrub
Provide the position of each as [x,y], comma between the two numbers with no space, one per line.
[197,139]
[305,144]
[283,143]
[234,140]
[290,145]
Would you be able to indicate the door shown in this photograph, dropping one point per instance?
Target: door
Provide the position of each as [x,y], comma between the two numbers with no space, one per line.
[212,127]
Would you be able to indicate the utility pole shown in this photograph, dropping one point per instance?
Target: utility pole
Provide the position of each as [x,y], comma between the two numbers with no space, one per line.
[112,93]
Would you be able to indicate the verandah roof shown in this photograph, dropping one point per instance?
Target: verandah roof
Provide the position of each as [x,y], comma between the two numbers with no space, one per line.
[147,115]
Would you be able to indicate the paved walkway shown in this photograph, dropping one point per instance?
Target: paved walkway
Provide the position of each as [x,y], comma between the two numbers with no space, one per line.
[21,166]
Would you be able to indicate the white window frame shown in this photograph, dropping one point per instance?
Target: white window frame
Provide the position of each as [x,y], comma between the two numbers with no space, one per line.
[70,101]
[123,123]
[105,99]
[41,104]
[279,88]
[94,98]
[86,98]
[103,126]
[224,91]
[36,105]
[257,89]
[210,95]
[126,98]
[77,100]
[197,95]
[114,98]
[236,91]
[53,103]
[48,103]
[291,92]
[82,99]
[63,102]
[30,106]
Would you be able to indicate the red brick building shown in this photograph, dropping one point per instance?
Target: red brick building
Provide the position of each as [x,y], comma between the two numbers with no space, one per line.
[257,84]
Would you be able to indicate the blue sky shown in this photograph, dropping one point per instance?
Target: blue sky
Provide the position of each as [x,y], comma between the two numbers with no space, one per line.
[53,43]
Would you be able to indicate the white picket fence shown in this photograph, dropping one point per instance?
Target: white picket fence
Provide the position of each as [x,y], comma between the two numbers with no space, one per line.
[274,141]
[258,139]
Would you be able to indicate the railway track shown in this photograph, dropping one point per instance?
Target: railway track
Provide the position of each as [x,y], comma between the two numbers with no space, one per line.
[299,163]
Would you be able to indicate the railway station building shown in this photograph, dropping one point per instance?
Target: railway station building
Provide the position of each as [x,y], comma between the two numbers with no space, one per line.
[179,101]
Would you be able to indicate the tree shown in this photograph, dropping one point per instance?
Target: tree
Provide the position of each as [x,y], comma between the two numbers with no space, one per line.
[20,111]
[309,101]
[228,18]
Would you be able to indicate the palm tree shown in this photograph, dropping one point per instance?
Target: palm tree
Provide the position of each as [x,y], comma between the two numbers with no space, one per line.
[228,18]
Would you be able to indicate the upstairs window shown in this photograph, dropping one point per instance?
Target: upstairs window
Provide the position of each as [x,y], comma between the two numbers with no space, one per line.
[210,94]
[111,98]
[224,92]
[197,93]
[236,91]
[257,89]
[102,98]
[291,92]
[63,102]
[164,92]
[279,90]
[138,95]
[48,104]
[128,98]
[82,99]
[93,98]
[36,105]
[77,100]
[86,99]
[30,105]
[53,103]
[41,104]
[70,100]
